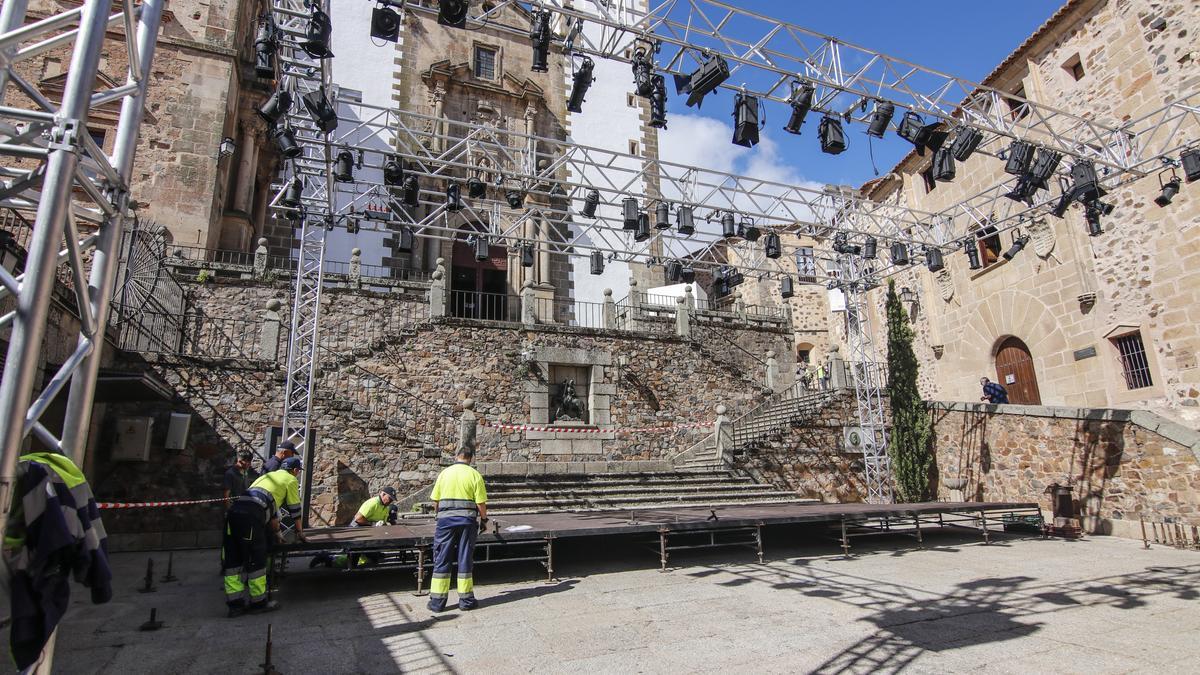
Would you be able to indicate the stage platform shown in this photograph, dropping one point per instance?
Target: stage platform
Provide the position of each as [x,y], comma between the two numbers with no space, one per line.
[531,536]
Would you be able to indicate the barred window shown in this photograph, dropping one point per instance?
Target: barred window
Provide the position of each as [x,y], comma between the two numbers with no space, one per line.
[485,63]
[806,264]
[1134,364]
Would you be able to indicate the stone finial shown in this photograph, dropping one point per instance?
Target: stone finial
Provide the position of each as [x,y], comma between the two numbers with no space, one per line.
[833,349]
[273,305]
[770,353]
[528,284]
[438,275]
[262,242]
[680,301]
[441,262]
[721,409]
[468,404]
[632,283]
[355,252]
[608,292]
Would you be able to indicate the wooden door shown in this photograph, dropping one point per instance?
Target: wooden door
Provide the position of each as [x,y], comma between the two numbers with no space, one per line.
[1014,370]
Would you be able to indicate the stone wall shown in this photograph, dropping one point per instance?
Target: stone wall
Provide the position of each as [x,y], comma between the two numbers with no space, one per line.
[1122,464]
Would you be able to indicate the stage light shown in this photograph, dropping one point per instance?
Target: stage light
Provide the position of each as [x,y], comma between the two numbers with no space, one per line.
[1020,154]
[943,165]
[453,13]
[1169,190]
[264,50]
[320,110]
[881,118]
[412,191]
[869,248]
[643,228]
[590,201]
[481,248]
[343,167]
[684,223]
[711,73]
[526,255]
[476,188]
[972,251]
[912,128]
[786,288]
[286,140]
[1085,185]
[453,197]
[597,263]
[674,270]
[662,216]
[747,230]
[514,197]
[728,227]
[580,83]
[1064,201]
[734,277]
[643,70]
[291,195]
[1018,244]
[1044,166]
[539,34]
[385,24]
[316,41]
[276,106]
[1092,215]
[800,102]
[658,102]
[840,242]
[772,246]
[1190,159]
[900,254]
[966,141]
[404,240]
[393,171]
[688,274]
[745,120]
[833,139]
[629,208]
[934,260]
[1023,190]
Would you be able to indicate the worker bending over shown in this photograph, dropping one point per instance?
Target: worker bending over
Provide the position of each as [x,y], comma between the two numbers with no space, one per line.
[244,547]
[460,501]
[379,510]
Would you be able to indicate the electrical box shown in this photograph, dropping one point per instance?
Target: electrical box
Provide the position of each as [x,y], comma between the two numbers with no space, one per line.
[133,439]
[177,431]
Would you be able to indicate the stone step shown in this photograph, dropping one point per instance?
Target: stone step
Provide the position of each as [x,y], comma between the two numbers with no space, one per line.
[777,498]
[695,480]
[623,478]
[588,492]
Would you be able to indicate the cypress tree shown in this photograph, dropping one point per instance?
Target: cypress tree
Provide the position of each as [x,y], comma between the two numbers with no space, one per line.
[909,444]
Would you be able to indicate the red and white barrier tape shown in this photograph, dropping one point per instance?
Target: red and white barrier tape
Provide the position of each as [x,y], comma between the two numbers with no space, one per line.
[142,505]
[593,430]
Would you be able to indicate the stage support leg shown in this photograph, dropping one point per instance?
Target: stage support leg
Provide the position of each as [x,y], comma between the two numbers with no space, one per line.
[758,541]
[549,559]
[420,573]
[662,550]
[917,523]
[845,539]
[987,539]
[1145,541]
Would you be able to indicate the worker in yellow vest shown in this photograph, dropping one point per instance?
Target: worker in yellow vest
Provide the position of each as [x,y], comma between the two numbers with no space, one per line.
[460,500]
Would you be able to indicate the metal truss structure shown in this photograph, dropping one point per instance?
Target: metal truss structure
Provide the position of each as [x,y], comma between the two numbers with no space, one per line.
[57,170]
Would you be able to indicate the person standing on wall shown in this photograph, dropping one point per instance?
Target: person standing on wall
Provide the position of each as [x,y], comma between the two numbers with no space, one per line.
[460,500]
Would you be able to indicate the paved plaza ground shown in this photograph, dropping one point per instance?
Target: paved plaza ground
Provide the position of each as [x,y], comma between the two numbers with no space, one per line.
[1020,605]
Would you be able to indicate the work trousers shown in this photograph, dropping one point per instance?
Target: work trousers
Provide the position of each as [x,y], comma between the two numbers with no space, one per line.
[453,541]
[244,555]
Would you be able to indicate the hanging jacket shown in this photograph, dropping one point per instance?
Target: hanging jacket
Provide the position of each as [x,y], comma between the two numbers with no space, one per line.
[54,531]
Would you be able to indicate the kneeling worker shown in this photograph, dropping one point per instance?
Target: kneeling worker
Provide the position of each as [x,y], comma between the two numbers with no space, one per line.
[461,507]
[244,548]
[378,510]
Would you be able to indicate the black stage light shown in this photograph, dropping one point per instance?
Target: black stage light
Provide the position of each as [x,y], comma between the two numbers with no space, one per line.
[728,228]
[286,141]
[291,195]
[711,73]
[911,128]
[539,34]
[404,240]
[453,197]
[684,224]
[747,230]
[720,287]
[933,136]
[343,167]
[658,102]
[1020,154]
[869,248]
[662,216]
[276,106]
[1044,166]
[526,255]
[1169,190]
[393,171]
[453,13]
[481,248]
[590,201]
[800,102]
[674,270]
[840,242]
[643,70]
[1092,215]
[316,41]
[933,259]
[264,50]
[943,165]
[734,277]
[629,208]
[966,140]
[514,197]
[972,251]
[772,247]
[643,228]
[786,288]
[833,139]
[900,254]
[688,274]
[319,108]
[1064,201]
[294,216]
[412,191]
[1085,186]
[597,263]
[580,83]
[385,24]
[1190,159]
[1023,191]
[476,188]
[881,118]
[1017,245]
[745,120]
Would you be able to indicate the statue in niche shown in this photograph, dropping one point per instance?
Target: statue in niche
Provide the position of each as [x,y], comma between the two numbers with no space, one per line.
[568,407]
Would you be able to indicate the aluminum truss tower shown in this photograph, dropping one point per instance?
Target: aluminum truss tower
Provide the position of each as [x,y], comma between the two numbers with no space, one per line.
[72,184]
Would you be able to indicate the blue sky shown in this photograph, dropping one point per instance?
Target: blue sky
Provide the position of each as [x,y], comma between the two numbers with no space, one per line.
[966,39]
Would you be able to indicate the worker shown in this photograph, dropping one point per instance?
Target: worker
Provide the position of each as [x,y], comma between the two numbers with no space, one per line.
[250,521]
[460,502]
[275,462]
[239,476]
[378,510]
